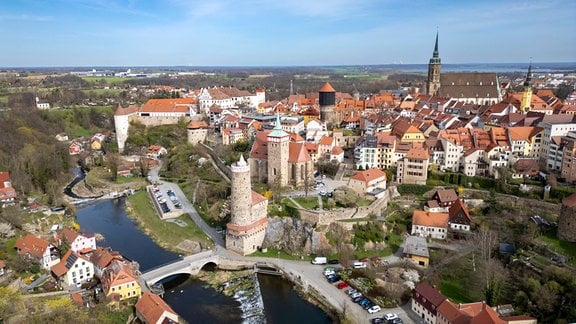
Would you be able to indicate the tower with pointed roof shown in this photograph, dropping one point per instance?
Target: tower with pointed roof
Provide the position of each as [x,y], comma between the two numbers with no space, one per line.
[433,81]
[278,151]
[327,100]
[247,227]
[525,105]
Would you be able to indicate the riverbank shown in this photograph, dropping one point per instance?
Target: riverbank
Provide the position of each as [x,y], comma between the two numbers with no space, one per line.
[170,235]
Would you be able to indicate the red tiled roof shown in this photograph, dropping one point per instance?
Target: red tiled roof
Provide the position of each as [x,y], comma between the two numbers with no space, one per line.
[126,111]
[430,293]
[4,176]
[151,307]
[32,245]
[297,153]
[446,195]
[327,87]
[570,201]
[369,175]
[196,124]
[426,218]
[257,198]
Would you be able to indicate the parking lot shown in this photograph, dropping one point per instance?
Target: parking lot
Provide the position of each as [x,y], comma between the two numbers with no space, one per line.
[165,201]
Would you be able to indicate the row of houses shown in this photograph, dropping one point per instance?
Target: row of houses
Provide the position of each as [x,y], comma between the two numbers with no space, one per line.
[434,308]
[85,261]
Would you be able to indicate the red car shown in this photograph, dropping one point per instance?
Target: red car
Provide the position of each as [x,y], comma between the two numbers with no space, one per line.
[342,285]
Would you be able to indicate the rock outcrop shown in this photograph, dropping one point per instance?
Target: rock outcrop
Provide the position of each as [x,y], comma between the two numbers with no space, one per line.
[293,236]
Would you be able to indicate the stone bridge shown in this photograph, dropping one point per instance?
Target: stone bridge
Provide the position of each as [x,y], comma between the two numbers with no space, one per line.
[192,264]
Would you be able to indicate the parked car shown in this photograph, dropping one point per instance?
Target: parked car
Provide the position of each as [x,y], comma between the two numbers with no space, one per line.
[333,261]
[397,320]
[355,295]
[343,285]
[374,309]
[390,316]
[377,320]
[358,299]
[359,265]
[351,291]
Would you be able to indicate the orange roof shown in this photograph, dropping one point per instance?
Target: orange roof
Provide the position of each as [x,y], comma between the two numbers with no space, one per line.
[337,150]
[523,133]
[297,152]
[369,175]
[418,153]
[126,111]
[327,87]
[570,201]
[103,257]
[426,218]
[196,124]
[257,198]
[69,234]
[151,307]
[326,140]
[32,245]
[447,195]
[2,264]
[168,105]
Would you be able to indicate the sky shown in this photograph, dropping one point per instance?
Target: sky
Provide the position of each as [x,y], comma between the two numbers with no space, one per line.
[66,33]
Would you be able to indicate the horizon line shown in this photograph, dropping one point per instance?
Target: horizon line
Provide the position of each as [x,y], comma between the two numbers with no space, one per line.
[261,66]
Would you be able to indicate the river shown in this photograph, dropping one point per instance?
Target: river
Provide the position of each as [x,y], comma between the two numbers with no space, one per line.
[191,298]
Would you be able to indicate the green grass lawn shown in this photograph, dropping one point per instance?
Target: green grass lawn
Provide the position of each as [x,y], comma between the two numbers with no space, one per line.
[566,248]
[167,234]
[307,202]
[109,79]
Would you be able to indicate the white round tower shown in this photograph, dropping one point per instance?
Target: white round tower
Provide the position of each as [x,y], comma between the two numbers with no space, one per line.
[241,196]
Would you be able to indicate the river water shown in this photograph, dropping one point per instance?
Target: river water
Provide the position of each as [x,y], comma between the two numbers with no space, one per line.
[192,299]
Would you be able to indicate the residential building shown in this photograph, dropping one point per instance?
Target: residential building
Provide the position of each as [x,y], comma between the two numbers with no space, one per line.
[73,269]
[413,167]
[430,224]
[2,267]
[416,249]
[568,167]
[458,217]
[371,181]
[554,127]
[425,302]
[525,140]
[7,193]
[151,309]
[37,250]
[445,197]
[81,243]
[119,281]
[101,258]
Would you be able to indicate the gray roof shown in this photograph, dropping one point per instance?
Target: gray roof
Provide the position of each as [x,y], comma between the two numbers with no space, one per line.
[416,245]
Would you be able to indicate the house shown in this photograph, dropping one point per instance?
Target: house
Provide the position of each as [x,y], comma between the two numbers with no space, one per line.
[445,197]
[151,309]
[197,131]
[429,224]
[525,168]
[416,249]
[75,148]
[459,217]
[119,281]
[425,302]
[81,243]
[2,267]
[413,167]
[73,269]
[102,258]
[478,312]
[156,151]
[371,181]
[7,192]
[38,250]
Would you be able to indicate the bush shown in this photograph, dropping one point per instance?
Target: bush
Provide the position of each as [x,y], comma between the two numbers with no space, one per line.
[413,189]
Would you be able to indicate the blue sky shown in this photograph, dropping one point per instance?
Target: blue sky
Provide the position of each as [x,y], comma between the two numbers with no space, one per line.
[283,32]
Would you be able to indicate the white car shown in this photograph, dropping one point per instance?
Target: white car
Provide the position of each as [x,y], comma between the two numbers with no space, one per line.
[390,316]
[374,309]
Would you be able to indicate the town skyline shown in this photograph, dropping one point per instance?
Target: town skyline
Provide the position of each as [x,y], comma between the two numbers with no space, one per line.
[287,33]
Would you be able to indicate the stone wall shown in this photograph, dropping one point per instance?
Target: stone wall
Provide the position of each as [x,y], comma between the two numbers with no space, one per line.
[326,217]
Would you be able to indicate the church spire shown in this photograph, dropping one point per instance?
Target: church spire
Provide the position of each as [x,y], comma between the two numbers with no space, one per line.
[436,54]
[528,81]
[526,103]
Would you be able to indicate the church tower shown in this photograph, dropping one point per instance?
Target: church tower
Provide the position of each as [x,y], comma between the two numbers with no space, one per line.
[527,94]
[278,149]
[247,227]
[327,100]
[433,82]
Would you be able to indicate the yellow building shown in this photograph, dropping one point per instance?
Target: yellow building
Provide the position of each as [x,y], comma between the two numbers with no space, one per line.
[119,281]
[416,249]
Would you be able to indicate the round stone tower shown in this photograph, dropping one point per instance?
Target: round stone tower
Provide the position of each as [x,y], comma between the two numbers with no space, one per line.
[241,196]
[327,100]
[567,219]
